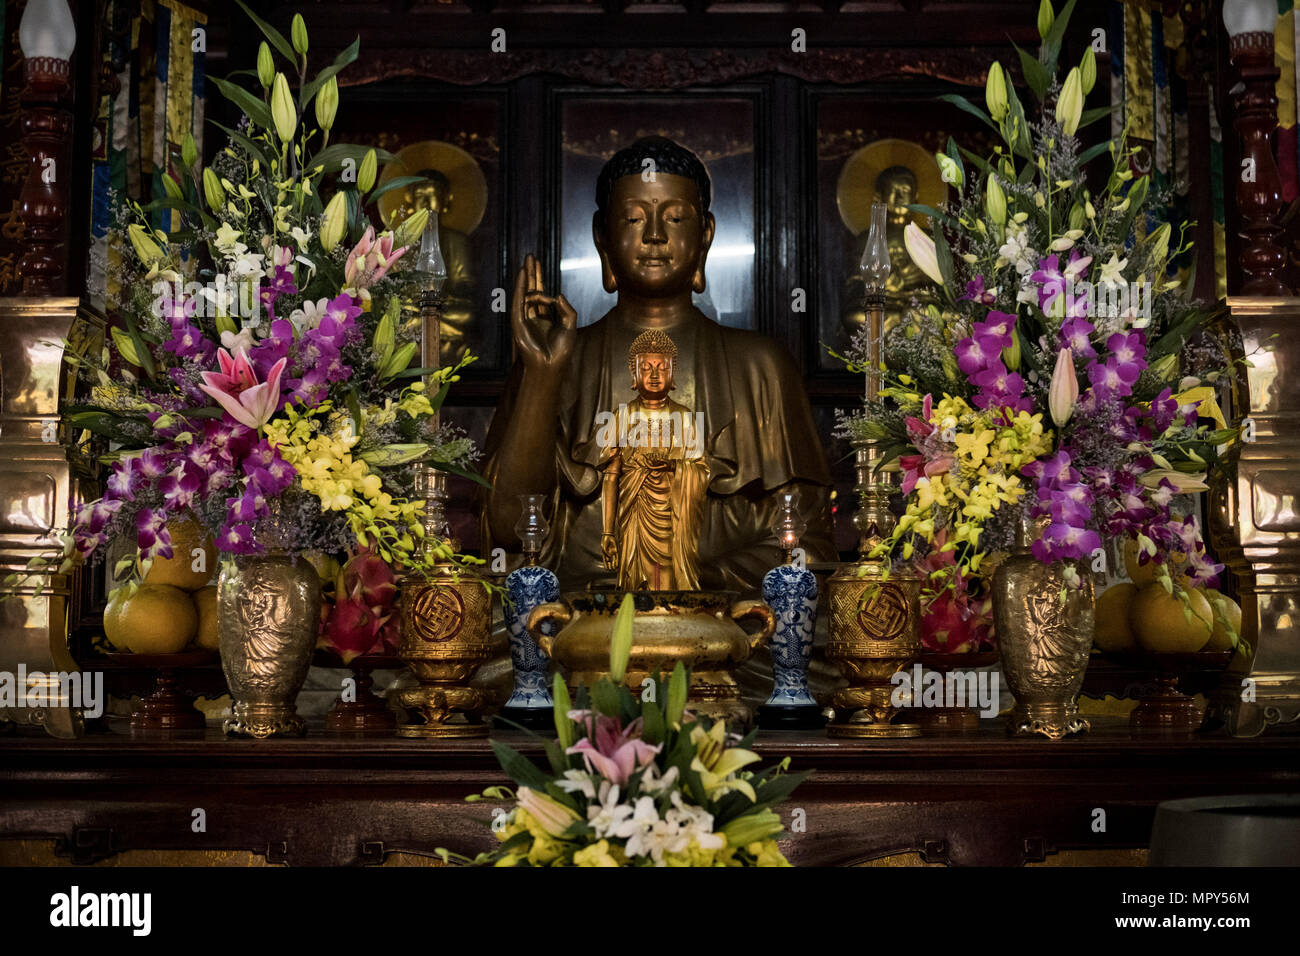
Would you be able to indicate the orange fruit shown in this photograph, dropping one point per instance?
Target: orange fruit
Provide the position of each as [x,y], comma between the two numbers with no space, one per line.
[1162,624]
[1220,640]
[158,619]
[1114,632]
[194,558]
[205,602]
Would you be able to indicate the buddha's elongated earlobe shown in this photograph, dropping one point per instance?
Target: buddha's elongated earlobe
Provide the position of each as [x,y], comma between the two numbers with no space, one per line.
[598,237]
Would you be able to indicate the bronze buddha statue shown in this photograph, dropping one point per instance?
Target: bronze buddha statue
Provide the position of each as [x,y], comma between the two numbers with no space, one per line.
[652,229]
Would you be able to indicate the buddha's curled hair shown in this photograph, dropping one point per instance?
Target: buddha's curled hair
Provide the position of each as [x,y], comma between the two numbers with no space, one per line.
[668,157]
[650,342]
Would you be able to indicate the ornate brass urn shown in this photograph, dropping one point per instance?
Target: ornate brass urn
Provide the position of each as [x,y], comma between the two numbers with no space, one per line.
[698,628]
[446,637]
[874,633]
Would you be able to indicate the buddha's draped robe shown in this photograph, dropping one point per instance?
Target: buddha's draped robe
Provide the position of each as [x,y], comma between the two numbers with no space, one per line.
[759,437]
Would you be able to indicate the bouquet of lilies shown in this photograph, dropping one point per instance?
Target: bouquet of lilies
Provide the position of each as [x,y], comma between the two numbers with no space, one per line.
[260,377]
[1066,376]
[637,781]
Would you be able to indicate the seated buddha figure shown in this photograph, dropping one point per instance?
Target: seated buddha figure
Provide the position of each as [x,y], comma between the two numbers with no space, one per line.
[457,325]
[652,229]
[655,478]
[896,187]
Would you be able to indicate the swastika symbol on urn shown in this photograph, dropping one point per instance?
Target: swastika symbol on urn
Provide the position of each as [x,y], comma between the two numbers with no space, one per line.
[884,616]
[439,614]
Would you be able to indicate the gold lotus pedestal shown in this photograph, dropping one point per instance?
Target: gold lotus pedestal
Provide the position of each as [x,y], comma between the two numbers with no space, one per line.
[698,628]
[446,637]
[874,628]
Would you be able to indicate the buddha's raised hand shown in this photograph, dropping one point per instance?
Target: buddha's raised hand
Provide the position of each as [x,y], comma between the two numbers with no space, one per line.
[544,326]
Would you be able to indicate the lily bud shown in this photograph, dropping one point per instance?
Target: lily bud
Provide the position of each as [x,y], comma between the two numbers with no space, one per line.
[265,66]
[366,175]
[995,201]
[1064,391]
[143,242]
[282,109]
[1069,105]
[333,221]
[1088,71]
[995,93]
[1011,354]
[1160,242]
[620,641]
[1077,218]
[1137,193]
[1046,17]
[327,103]
[949,170]
[921,248]
[171,187]
[298,33]
[214,192]
[189,152]
[551,815]
[411,229]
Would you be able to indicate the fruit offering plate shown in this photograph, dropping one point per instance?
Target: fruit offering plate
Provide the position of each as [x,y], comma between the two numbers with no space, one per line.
[200,657]
[167,712]
[958,662]
[1163,707]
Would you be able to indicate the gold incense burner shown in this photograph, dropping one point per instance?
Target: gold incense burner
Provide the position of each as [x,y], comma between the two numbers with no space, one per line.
[446,637]
[699,628]
[874,633]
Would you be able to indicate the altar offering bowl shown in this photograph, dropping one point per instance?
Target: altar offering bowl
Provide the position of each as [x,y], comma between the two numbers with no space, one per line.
[698,628]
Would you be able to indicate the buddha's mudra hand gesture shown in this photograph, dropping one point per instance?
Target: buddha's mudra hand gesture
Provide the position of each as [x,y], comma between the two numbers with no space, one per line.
[609,552]
[544,326]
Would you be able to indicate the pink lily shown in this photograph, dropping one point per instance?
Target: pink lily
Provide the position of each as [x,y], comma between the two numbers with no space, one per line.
[617,751]
[370,259]
[237,390]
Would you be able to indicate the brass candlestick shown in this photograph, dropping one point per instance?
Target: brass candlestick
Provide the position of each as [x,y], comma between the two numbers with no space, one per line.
[875,615]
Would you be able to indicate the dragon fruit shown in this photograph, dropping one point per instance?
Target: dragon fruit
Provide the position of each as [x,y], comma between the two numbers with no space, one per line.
[362,619]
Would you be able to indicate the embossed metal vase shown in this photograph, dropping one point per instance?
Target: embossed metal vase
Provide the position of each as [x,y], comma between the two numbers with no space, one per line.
[698,628]
[875,628]
[446,637]
[791,592]
[530,704]
[1043,641]
[268,615]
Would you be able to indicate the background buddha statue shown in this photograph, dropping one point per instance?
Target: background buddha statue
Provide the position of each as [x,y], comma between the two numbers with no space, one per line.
[652,229]
[897,185]
[455,189]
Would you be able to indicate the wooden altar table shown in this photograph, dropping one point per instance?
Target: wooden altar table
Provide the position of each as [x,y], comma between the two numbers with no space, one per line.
[981,799]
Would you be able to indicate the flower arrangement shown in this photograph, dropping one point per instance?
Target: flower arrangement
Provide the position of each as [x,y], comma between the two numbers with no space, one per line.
[1065,376]
[260,375]
[636,781]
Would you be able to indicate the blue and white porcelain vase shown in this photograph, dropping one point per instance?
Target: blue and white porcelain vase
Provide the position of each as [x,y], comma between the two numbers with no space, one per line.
[530,704]
[791,592]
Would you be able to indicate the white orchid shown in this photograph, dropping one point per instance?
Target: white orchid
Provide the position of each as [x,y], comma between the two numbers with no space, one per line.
[1113,270]
[310,315]
[232,342]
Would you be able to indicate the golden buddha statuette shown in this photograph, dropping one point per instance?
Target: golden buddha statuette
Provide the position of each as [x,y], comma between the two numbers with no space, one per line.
[654,478]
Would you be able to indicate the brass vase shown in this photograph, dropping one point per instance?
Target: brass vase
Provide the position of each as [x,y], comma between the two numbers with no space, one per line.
[875,626]
[446,637]
[268,615]
[1044,630]
[698,628]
